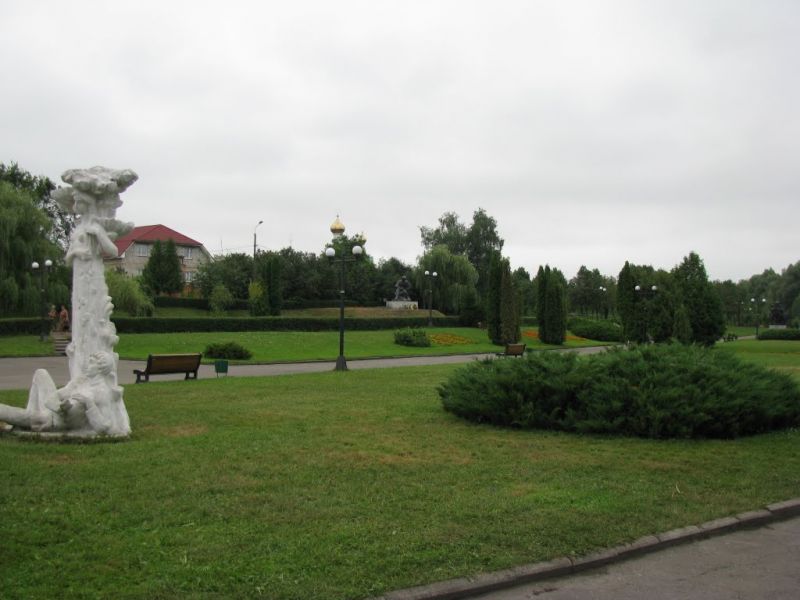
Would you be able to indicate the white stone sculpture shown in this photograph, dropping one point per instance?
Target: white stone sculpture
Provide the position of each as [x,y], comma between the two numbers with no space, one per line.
[91,403]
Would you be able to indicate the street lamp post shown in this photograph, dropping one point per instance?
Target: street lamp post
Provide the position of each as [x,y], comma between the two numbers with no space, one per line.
[337,229]
[757,310]
[254,239]
[431,277]
[647,293]
[604,300]
[42,270]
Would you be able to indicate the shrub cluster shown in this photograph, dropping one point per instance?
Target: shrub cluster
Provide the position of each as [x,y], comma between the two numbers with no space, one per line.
[412,336]
[21,326]
[189,324]
[658,391]
[593,329]
[779,334]
[231,350]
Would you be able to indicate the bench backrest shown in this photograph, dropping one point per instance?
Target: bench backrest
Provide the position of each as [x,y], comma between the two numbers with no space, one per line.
[515,349]
[173,363]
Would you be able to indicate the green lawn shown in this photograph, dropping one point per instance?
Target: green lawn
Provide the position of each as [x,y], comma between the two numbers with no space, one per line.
[342,485]
[288,346]
[777,354]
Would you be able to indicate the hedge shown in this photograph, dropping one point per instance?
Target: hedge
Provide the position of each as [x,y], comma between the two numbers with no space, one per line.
[183,324]
[290,304]
[593,329]
[779,334]
[21,326]
[658,391]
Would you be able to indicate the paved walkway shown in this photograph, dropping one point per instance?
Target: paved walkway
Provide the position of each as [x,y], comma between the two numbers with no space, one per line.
[16,373]
[754,564]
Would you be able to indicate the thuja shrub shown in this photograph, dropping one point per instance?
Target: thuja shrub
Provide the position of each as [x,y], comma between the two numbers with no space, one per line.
[593,329]
[230,350]
[411,336]
[658,391]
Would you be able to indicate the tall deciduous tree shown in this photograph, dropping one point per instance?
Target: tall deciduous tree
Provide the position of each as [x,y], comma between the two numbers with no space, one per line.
[41,188]
[24,229]
[454,287]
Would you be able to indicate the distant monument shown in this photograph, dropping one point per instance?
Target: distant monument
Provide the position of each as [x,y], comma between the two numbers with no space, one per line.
[402,298]
[91,403]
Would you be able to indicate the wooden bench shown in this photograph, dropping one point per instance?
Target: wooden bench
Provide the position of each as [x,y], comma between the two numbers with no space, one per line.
[513,350]
[161,364]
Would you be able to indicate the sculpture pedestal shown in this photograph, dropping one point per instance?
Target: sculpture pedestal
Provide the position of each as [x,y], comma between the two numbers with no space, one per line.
[402,304]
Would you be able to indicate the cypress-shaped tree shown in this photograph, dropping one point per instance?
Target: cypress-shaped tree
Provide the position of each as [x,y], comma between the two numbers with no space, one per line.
[493,299]
[151,274]
[542,277]
[171,269]
[509,307]
[555,317]
[701,300]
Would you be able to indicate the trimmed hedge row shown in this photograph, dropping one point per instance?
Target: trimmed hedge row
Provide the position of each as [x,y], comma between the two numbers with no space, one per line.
[290,304]
[779,334]
[593,329]
[21,326]
[658,391]
[182,324]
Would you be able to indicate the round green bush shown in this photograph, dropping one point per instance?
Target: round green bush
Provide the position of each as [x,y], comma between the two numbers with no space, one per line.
[594,329]
[658,391]
[231,350]
[412,336]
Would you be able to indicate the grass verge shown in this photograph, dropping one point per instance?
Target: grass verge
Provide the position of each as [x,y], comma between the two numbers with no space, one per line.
[288,346]
[343,485]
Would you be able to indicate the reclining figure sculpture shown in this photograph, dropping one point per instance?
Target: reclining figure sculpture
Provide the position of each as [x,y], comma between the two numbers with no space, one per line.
[91,403]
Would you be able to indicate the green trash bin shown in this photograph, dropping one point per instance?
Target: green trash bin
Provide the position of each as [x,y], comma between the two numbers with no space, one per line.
[221,367]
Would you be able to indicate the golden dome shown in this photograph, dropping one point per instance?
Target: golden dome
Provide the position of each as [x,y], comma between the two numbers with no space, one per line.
[337,227]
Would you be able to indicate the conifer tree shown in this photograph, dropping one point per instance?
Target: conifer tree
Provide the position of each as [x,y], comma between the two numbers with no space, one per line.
[509,307]
[493,299]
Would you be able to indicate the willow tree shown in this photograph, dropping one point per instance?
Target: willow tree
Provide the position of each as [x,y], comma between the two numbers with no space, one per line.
[454,286]
[24,231]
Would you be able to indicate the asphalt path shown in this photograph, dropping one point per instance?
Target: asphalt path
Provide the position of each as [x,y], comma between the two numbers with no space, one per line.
[752,564]
[17,373]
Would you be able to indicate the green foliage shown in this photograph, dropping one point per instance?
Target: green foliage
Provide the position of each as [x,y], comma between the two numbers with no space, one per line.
[220,299]
[657,391]
[779,334]
[24,230]
[412,336]
[509,307]
[551,312]
[127,295]
[700,299]
[592,329]
[40,188]
[258,302]
[201,324]
[493,299]
[162,273]
[455,282]
[681,327]
[29,325]
[233,271]
[231,350]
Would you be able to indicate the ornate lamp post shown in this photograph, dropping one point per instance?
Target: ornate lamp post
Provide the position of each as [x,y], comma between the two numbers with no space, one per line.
[45,330]
[431,277]
[647,293]
[337,229]
[757,310]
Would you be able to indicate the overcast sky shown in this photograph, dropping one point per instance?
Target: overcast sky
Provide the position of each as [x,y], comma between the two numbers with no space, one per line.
[594,132]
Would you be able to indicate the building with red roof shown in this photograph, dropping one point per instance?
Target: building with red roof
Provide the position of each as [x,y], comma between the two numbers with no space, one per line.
[134,248]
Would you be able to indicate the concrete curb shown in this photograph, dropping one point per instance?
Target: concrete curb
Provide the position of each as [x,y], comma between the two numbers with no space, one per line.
[497,580]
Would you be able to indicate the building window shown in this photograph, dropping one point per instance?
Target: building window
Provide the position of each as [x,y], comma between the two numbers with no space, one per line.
[188,276]
[142,249]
